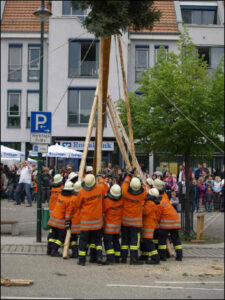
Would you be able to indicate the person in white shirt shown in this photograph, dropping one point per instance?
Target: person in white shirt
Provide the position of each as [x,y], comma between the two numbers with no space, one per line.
[24,183]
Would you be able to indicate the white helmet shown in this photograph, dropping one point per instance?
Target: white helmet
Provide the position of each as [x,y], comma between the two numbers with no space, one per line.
[149,181]
[57,178]
[135,184]
[89,169]
[159,184]
[72,176]
[68,186]
[77,186]
[115,191]
[89,181]
[154,192]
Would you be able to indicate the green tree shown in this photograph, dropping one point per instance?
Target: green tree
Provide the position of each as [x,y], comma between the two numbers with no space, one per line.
[181,108]
[113,17]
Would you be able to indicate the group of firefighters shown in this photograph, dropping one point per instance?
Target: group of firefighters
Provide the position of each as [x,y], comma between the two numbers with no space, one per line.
[123,218]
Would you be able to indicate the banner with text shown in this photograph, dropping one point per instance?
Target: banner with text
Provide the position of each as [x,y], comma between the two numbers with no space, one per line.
[79,145]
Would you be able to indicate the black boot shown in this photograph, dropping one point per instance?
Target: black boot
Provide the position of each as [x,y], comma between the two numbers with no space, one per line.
[117,259]
[155,260]
[134,261]
[143,257]
[162,255]
[74,251]
[93,258]
[49,248]
[81,261]
[54,252]
[179,254]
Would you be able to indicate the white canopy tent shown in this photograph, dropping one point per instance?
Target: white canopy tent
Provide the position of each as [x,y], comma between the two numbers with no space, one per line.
[59,151]
[7,152]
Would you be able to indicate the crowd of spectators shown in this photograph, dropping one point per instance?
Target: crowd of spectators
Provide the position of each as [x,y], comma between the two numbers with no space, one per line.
[206,189]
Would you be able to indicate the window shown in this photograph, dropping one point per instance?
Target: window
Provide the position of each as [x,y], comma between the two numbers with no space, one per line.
[15,62]
[83,58]
[158,49]
[212,55]
[13,112]
[32,104]
[67,10]
[141,60]
[12,145]
[79,105]
[199,15]
[33,62]
[205,51]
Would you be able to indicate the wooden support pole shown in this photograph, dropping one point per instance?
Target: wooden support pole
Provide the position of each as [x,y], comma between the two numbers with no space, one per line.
[114,110]
[100,101]
[129,121]
[66,244]
[88,136]
[118,138]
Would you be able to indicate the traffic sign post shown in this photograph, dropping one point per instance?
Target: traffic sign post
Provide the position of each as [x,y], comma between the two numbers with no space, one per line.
[40,135]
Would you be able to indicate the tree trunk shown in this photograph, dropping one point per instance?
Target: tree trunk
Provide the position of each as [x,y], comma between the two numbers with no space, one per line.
[187,229]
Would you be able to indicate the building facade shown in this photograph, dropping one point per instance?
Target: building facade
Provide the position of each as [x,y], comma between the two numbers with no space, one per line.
[71,67]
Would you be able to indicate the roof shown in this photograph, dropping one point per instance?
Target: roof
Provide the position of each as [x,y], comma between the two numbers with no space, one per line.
[18,16]
[168,21]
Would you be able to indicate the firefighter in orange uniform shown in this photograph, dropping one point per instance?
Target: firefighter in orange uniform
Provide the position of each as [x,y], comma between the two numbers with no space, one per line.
[112,211]
[149,224]
[57,218]
[169,223]
[55,191]
[89,201]
[133,201]
[73,220]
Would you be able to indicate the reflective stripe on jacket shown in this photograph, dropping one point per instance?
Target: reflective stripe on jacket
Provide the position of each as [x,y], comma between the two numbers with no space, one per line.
[168,216]
[90,205]
[132,205]
[112,210]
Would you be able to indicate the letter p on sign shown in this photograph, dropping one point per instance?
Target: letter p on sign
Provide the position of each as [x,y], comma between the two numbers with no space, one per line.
[40,120]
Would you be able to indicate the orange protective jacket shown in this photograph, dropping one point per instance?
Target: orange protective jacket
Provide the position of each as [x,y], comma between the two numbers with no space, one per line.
[73,214]
[132,205]
[104,183]
[55,192]
[168,217]
[57,217]
[112,210]
[149,219]
[90,205]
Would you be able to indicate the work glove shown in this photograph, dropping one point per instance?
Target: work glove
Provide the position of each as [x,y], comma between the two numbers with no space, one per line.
[68,224]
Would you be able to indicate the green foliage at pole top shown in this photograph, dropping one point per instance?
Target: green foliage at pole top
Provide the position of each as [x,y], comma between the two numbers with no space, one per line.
[184,79]
[107,18]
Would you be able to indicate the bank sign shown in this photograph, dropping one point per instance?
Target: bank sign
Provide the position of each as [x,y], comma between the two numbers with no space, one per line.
[79,145]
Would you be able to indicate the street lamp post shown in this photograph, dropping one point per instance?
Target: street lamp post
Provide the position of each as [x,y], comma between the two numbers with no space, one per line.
[42,14]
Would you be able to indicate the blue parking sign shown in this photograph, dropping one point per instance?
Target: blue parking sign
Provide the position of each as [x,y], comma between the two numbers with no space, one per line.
[41,122]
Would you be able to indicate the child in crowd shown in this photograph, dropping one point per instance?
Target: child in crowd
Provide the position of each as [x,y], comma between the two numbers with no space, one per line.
[175,201]
[209,198]
[195,195]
